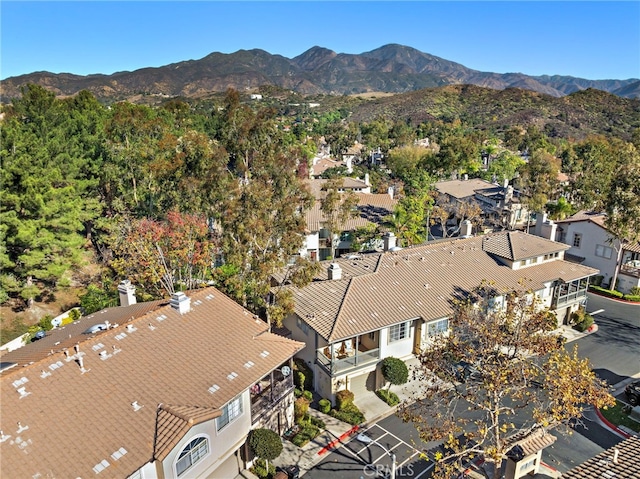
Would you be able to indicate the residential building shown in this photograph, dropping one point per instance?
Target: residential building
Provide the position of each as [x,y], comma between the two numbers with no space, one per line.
[372,209]
[364,308]
[591,243]
[501,205]
[621,461]
[158,389]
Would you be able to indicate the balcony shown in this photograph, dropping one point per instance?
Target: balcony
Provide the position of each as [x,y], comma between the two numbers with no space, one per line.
[342,363]
[269,392]
[630,270]
[566,294]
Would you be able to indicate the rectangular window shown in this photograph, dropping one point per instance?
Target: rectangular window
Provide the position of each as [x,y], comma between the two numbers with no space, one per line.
[398,332]
[372,335]
[603,251]
[304,327]
[232,410]
[577,239]
[435,328]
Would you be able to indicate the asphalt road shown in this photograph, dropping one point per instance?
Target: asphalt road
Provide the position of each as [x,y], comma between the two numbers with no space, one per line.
[614,352]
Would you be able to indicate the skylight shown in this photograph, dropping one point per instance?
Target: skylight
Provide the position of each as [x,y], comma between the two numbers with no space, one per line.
[214,388]
[232,375]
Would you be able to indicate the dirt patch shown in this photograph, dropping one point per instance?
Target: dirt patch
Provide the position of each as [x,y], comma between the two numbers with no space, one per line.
[54,305]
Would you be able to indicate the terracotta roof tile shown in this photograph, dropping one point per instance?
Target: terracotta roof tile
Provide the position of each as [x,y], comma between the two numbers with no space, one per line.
[417,282]
[460,189]
[516,245]
[72,421]
[606,465]
[173,422]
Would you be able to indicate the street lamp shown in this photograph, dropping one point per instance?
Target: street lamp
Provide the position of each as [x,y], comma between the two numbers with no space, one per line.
[367,440]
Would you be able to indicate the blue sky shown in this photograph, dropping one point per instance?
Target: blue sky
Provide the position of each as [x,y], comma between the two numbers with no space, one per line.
[593,40]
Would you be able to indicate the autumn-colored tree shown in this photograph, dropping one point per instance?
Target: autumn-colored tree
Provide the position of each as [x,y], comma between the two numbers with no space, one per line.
[506,342]
[161,257]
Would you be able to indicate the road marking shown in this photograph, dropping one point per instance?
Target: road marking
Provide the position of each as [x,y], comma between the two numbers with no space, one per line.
[597,312]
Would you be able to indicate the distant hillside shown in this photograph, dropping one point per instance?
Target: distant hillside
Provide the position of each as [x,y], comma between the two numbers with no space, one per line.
[576,115]
[391,68]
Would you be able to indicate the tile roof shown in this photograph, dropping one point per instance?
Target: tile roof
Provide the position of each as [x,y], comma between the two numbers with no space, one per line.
[373,207]
[516,245]
[324,164]
[583,215]
[173,422]
[607,466]
[533,442]
[417,282]
[462,188]
[70,422]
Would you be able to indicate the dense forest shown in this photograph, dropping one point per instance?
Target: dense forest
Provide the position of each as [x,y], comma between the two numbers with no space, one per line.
[189,193]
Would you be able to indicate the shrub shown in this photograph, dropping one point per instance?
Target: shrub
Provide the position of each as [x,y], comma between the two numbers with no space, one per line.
[298,379]
[344,398]
[307,378]
[263,470]
[581,320]
[632,297]
[317,422]
[297,392]
[395,371]
[308,395]
[300,408]
[387,396]
[74,314]
[265,443]
[635,291]
[349,414]
[306,434]
[324,405]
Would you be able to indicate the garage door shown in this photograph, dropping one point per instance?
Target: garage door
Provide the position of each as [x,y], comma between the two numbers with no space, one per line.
[363,384]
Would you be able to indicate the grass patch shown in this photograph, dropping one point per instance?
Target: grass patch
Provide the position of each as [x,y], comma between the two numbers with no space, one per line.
[616,415]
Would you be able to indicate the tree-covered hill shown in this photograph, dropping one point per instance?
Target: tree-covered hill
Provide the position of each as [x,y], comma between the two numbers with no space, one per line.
[576,116]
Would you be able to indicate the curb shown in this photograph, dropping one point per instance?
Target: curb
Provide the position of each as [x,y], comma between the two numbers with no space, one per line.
[611,426]
[342,437]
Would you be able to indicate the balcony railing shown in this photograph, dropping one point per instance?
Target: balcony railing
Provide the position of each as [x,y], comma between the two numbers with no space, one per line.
[265,400]
[359,359]
[630,271]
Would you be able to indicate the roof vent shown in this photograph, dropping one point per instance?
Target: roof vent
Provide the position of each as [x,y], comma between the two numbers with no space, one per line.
[127,293]
[214,388]
[136,406]
[180,302]
[232,375]
[334,271]
[131,328]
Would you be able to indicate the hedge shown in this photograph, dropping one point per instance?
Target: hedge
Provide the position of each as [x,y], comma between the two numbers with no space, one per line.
[389,397]
[349,414]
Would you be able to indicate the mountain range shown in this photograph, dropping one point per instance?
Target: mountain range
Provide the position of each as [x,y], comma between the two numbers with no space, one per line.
[391,68]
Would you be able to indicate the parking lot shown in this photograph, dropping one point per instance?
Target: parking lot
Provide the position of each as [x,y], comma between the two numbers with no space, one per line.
[373,459]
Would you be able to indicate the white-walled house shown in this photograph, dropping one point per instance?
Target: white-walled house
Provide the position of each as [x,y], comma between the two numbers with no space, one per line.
[363,309]
[591,244]
[372,209]
[165,389]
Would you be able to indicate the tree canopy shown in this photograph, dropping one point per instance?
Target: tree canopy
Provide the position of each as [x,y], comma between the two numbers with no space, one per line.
[520,380]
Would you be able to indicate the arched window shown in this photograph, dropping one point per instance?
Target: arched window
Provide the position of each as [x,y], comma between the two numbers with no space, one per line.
[192,454]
